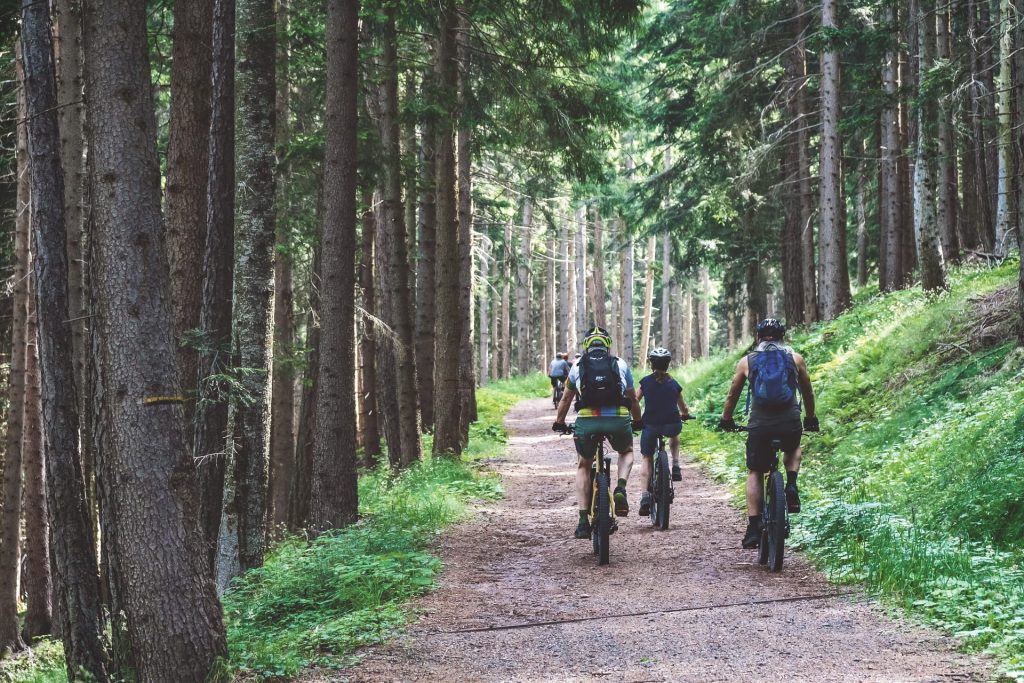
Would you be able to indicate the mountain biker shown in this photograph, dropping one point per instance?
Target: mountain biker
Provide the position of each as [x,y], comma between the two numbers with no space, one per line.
[558,371]
[664,412]
[775,371]
[607,402]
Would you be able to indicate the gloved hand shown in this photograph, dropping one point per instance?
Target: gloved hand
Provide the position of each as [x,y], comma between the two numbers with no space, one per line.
[560,428]
[727,424]
[686,417]
[811,424]
[637,425]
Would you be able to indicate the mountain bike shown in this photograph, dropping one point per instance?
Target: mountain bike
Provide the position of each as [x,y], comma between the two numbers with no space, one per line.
[662,491]
[774,513]
[558,392]
[602,523]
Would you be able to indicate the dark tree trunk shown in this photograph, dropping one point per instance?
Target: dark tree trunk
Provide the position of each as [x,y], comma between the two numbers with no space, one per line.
[947,209]
[792,255]
[387,351]
[38,584]
[803,169]
[426,296]
[211,424]
[890,268]
[186,183]
[253,278]
[282,408]
[448,325]
[74,558]
[10,531]
[335,501]
[301,481]
[368,342]
[464,162]
[174,621]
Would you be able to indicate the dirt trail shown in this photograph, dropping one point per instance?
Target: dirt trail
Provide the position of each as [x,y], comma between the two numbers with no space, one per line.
[517,564]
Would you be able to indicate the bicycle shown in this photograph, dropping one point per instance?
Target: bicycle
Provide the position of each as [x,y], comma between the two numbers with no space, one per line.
[662,491]
[558,392]
[774,513]
[600,516]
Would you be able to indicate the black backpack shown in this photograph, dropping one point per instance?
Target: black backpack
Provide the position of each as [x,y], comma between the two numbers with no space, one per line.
[599,382]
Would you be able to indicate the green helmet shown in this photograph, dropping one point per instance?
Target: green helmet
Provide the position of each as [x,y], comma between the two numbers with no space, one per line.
[597,336]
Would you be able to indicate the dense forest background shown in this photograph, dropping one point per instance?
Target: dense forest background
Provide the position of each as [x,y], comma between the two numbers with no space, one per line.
[258,246]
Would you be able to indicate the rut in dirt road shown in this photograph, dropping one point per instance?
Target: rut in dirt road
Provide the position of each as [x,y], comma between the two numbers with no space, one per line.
[521,600]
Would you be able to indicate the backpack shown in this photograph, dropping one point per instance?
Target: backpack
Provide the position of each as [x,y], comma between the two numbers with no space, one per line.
[599,385]
[772,378]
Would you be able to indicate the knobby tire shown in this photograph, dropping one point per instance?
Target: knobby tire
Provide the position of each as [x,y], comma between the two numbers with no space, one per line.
[603,528]
[776,531]
[663,491]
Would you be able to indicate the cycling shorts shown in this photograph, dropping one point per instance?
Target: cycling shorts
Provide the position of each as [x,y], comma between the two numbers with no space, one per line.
[590,430]
[760,455]
[649,437]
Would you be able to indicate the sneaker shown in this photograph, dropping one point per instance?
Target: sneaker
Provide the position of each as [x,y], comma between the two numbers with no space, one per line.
[583,529]
[621,504]
[645,504]
[677,474]
[792,498]
[752,538]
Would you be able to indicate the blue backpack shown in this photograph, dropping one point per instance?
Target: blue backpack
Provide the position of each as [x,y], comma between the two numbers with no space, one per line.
[773,380]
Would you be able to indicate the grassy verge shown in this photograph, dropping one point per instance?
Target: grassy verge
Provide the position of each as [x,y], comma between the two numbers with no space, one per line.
[43,664]
[913,487]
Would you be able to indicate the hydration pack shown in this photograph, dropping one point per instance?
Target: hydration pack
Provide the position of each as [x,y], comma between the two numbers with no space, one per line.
[599,382]
[773,380]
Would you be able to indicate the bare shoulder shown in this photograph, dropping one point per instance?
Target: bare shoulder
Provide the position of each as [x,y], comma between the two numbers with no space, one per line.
[742,367]
[799,360]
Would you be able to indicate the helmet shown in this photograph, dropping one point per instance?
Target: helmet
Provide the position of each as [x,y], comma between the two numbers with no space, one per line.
[597,336]
[771,328]
[660,357]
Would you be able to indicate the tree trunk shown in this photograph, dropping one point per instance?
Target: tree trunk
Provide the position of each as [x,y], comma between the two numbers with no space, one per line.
[38,584]
[174,620]
[506,286]
[282,407]
[211,423]
[792,254]
[547,308]
[977,141]
[803,171]
[186,183]
[426,294]
[368,341]
[946,190]
[301,483]
[834,294]
[666,277]
[10,531]
[925,227]
[645,324]
[564,286]
[600,291]
[72,546]
[484,305]
[254,274]
[628,348]
[447,326]
[580,238]
[524,286]
[686,347]
[890,267]
[388,348]
[335,496]
[494,315]
[464,164]
[704,313]
[862,227]
[1005,217]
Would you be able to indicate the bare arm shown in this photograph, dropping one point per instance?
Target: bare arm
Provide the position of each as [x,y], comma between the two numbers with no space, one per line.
[735,389]
[563,406]
[804,379]
[634,404]
[683,410]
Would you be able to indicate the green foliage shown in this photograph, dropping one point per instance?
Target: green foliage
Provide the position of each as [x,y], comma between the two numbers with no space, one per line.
[44,663]
[913,486]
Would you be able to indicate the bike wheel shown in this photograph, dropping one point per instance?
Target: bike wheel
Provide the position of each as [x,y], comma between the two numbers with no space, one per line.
[603,527]
[775,496]
[662,491]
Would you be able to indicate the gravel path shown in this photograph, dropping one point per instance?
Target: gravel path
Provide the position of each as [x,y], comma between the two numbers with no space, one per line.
[688,598]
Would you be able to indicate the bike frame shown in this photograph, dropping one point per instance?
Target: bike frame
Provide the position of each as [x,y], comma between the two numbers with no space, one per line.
[602,465]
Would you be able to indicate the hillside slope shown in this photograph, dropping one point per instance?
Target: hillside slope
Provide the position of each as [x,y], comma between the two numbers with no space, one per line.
[914,485]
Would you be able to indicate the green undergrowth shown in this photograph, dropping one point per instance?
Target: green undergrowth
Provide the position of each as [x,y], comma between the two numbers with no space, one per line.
[313,603]
[913,486]
[44,663]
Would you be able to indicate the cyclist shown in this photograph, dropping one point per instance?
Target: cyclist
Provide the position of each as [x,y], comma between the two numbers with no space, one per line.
[776,372]
[664,412]
[607,402]
[558,371]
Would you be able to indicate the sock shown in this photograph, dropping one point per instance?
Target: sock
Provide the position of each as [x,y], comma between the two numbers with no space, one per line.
[754,520]
[622,483]
[791,478]
[584,515]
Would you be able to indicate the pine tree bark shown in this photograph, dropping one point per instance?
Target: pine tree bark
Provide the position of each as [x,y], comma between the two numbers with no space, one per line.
[187,169]
[505,342]
[645,324]
[335,496]
[926,228]
[464,164]
[215,313]
[10,530]
[368,341]
[484,357]
[388,350]
[448,324]
[564,286]
[704,313]
[301,481]
[666,278]
[580,238]
[282,406]
[599,292]
[426,294]
[890,267]
[803,169]
[862,229]
[38,584]
[628,347]
[254,274]
[175,627]
[547,324]
[980,97]
[686,347]
[947,209]
[72,546]
[834,294]
[524,287]
[1005,195]
[792,255]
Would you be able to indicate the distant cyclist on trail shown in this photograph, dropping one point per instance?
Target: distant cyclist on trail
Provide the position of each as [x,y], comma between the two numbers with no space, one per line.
[776,372]
[558,372]
[607,408]
[664,412]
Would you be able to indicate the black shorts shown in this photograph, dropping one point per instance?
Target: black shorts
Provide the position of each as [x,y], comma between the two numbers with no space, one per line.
[760,454]
[555,381]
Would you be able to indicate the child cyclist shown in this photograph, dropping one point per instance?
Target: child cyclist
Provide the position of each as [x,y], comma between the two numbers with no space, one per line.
[664,412]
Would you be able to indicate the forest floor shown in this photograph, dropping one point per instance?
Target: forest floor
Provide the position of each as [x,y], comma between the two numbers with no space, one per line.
[683,605]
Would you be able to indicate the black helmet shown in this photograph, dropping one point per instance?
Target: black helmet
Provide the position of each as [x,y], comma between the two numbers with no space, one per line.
[771,328]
